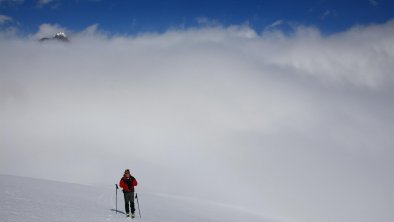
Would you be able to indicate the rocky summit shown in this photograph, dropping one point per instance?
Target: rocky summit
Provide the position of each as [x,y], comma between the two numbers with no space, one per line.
[60,36]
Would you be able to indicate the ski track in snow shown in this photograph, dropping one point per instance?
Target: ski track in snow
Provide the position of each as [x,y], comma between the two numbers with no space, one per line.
[35,200]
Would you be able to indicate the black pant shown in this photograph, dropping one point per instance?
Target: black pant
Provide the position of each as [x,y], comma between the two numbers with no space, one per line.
[129,197]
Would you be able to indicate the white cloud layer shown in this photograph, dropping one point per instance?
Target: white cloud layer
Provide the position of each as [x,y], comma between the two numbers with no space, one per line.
[296,127]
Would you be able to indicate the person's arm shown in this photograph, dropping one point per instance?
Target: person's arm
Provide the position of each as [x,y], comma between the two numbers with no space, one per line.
[135,183]
[122,184]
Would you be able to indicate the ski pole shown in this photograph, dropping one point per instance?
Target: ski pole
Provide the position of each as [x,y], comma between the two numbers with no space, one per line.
[116,194]
[138,204]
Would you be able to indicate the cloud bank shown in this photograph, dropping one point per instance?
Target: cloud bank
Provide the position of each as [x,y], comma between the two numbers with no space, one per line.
[297,127]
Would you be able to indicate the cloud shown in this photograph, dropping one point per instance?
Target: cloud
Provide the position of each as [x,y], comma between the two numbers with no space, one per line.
[44,2]
[48,30]
[294,126]
[207,22]
[275,24]
[5,19]
[306,53]
[11,1]
[373,2]
[52,3]
[325,14]
[328,13]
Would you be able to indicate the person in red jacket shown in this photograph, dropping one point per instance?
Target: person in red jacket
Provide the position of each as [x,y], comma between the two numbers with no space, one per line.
[128,183]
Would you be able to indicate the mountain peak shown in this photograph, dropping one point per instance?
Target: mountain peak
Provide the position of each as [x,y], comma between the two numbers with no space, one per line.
[61,36]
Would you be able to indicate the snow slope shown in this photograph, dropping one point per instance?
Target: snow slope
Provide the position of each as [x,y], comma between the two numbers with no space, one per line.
[36,200]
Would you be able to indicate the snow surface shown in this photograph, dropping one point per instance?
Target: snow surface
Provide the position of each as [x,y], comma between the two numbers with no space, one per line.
[61,34]
[36,200]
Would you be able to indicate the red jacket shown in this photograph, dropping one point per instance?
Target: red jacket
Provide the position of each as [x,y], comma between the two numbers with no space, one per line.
[128,184]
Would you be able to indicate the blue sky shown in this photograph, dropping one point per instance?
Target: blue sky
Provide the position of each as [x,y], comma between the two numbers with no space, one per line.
[135,16]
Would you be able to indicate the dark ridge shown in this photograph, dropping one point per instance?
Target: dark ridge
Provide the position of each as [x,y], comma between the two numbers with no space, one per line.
[60,36]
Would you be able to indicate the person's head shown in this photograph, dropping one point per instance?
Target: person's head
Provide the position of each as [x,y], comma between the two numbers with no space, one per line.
[127,173]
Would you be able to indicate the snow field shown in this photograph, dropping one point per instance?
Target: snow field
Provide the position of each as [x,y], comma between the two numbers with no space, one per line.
[35,200]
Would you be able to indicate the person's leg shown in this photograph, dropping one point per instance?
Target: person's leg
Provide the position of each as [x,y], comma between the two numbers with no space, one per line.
[132,202]
[126,202]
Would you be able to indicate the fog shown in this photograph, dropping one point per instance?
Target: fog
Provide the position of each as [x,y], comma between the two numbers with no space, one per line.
[297,127]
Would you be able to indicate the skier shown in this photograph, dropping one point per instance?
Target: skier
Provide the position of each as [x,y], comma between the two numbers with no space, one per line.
[128,183]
